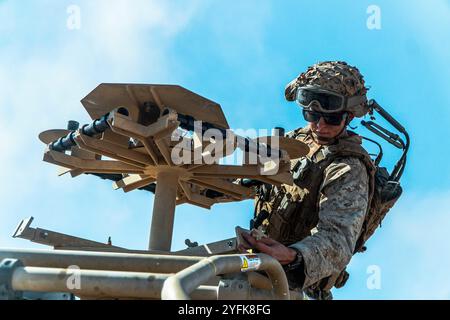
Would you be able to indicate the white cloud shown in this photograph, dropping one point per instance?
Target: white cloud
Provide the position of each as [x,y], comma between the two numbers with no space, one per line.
[429,23]
[133,36]
[412,249]
[233,35]
[423,224]
[119,41]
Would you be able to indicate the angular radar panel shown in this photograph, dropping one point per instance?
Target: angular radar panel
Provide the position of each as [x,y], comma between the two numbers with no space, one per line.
[144,137]
[295,148]
[136,97]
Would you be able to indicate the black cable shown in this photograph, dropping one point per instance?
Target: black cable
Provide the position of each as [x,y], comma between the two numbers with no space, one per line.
[380,154]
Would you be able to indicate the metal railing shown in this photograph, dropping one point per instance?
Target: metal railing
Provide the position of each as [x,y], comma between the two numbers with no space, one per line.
[101,275]
[182,284]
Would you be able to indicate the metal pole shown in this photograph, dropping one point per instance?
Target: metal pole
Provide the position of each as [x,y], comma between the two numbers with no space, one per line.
[203,293]
[180,285]
[92,283]
[238,289]
[98,284]
[100,260]
[164,211]
[259,281]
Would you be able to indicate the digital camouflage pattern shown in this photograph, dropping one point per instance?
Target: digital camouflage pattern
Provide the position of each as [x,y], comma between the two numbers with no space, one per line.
[343,203]
[336,76]
[322,214]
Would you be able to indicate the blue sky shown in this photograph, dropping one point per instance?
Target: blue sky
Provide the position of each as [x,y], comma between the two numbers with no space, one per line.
[240,55]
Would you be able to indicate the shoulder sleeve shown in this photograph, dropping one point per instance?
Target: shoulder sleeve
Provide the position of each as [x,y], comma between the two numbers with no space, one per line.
[343,205]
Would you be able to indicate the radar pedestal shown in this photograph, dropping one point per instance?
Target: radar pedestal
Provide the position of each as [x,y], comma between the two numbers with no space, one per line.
[164,210]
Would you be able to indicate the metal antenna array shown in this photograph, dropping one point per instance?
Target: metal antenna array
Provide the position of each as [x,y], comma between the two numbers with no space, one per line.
[135,133]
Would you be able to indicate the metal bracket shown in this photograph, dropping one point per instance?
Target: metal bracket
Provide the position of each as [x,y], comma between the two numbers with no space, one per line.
[23,230]
[7,267]
[57,240]
[227,246]
[190,244]
[233,289]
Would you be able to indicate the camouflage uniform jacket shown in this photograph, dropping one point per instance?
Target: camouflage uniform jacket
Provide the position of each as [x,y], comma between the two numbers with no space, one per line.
[322,214]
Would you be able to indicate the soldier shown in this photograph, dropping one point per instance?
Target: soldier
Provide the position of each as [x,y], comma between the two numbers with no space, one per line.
[313,226]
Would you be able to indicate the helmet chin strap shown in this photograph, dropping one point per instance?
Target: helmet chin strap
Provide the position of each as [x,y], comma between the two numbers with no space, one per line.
[323,140]
[326,140]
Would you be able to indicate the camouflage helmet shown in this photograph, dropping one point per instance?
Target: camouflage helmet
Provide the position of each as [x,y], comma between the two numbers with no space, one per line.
[336,76]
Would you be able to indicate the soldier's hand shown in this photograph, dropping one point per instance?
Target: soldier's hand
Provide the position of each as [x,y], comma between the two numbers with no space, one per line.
[247,243]
[272,248]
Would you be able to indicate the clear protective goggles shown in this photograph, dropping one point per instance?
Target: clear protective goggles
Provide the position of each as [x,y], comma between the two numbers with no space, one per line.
[320,100]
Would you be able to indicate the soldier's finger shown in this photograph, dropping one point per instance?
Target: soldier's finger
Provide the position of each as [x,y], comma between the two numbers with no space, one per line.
[250,240]
[242,249]
[284,262]
[268,241]
[263,248]
[244,243]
